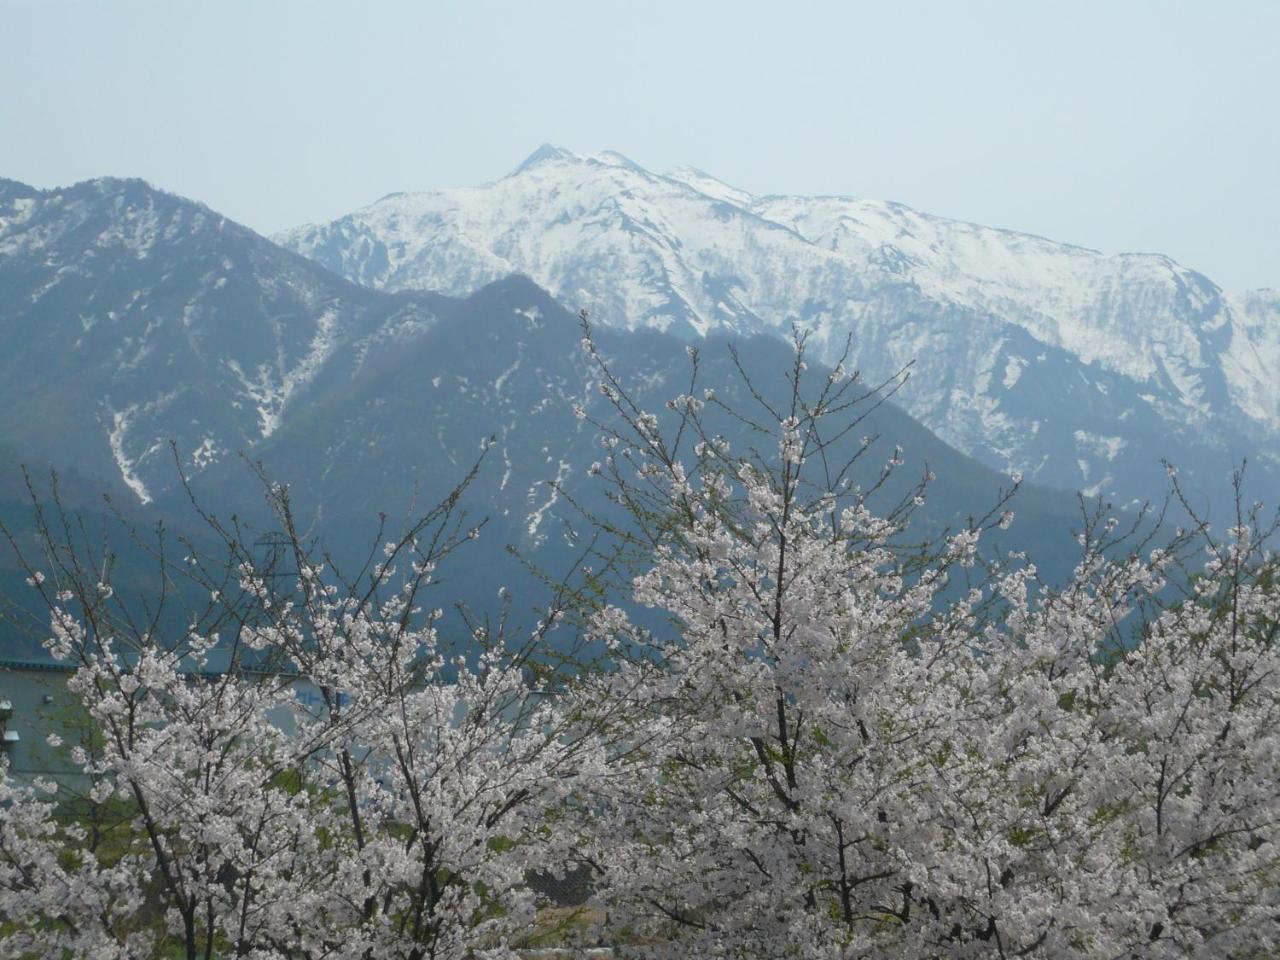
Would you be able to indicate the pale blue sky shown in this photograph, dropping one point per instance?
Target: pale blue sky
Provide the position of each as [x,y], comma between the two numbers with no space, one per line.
[1117,125]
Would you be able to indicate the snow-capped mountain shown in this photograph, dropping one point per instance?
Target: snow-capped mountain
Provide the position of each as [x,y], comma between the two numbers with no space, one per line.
[1077,368]
[130,317]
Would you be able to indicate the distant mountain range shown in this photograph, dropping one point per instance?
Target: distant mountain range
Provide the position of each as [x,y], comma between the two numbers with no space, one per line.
[1080,370]
[130,318]
[366,361]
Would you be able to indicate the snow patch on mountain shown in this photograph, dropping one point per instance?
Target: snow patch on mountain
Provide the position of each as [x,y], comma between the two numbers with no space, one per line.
[271,383]
[1013,367]
[323,343]
[1103,446]
[533,522]
[116,438]
[206,453]
[502,377]
[265,393]
[532,316]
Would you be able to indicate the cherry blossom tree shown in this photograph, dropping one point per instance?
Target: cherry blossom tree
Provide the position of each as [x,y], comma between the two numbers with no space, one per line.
[835,751]
[393,811]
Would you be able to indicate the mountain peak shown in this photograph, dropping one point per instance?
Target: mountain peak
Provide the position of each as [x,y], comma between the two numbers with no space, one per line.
[111,186]
[547,153]
[613,158]
[15,189]
[517,285]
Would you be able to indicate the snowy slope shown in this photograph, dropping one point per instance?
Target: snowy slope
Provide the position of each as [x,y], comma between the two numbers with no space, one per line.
[1077,368]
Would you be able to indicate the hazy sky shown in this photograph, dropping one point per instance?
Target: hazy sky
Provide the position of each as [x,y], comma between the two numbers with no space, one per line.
[1117,125]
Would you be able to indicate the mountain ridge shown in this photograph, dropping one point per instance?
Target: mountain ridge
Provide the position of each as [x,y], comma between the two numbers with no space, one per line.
[1179,367]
